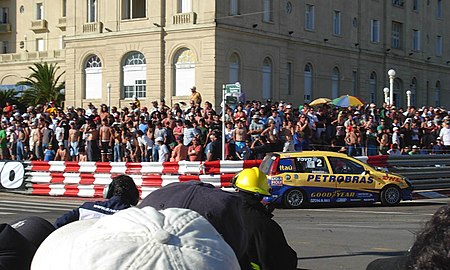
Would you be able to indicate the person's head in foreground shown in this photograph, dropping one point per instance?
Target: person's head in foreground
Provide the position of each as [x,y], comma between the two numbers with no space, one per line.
[124,187]
[135,238]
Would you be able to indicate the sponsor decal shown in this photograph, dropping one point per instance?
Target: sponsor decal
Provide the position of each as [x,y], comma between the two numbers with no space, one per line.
[321,200]
[11,174]
[341,200]
[392,178]
[354,179]
[276,182]
[333,194]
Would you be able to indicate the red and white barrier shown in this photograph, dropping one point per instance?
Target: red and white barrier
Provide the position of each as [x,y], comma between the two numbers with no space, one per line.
[87,179]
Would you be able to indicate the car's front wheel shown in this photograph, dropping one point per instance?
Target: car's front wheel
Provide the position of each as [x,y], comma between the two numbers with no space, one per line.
[390,196]
[295,198]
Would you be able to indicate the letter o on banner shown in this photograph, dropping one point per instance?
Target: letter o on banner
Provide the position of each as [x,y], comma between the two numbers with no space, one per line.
[11,174]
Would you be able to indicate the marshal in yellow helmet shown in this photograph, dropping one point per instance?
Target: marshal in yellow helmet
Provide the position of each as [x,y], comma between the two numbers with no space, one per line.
[252,180]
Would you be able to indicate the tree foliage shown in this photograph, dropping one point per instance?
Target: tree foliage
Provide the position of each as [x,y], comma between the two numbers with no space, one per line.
[44,85]
[11,95]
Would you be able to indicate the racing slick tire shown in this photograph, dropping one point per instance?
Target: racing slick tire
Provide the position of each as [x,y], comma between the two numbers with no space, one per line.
[295,198]
[391,195]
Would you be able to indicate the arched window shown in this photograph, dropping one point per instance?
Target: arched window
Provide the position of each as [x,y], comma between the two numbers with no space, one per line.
[234,68]
[93,78]
[373,87]
[134,76]
[308,83]
[184,74]
[335,78]
[413,91]
[267,78]
[437,94]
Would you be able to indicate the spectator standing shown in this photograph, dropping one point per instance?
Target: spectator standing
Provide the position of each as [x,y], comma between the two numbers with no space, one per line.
[163,151]
[180,151]
[3,145]
[214,148]
[74,140]
[195,151]
[445,135]
[256,126]
[92,143]
[196,97]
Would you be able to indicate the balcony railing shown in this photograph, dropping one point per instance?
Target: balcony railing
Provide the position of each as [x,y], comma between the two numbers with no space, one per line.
[185,18]
[62,23]
[39,25]
[5,28]
[93,27]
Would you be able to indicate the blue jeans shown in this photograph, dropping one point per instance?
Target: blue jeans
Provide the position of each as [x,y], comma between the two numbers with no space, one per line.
[117,156]
[351,150]
[155,154]
[372,150]
[20,151]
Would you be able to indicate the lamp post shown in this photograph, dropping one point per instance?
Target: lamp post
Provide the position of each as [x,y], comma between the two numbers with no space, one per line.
[223,121]
[391,74]
[386,95]
[408,98]
[108,87]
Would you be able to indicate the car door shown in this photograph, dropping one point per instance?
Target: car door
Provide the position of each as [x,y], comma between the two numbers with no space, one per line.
[313,176]
[352,182]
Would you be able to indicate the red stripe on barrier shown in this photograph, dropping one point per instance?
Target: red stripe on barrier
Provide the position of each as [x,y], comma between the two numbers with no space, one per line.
[212,167]
[252,163]
[378,161]
[57,178]
[170,168]
[40,166]
[71,190]
[98,191]
[225,180]
[152,180]
[72,166]
[40,189]
[103,167]
[188,177]
[87,179]
[133,168]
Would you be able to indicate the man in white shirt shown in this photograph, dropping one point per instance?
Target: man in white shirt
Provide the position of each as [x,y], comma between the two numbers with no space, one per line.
[163,151]
[445,135]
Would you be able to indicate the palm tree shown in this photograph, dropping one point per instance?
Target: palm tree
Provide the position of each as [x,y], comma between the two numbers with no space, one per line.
[44,85]
[11,95]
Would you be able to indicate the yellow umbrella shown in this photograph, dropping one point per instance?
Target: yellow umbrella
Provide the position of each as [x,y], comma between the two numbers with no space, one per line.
[319,101]
[346,101]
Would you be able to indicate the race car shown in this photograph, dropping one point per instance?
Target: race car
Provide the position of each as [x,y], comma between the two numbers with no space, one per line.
[309,177]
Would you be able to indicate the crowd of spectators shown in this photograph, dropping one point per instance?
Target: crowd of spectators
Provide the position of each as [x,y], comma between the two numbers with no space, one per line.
[193,131]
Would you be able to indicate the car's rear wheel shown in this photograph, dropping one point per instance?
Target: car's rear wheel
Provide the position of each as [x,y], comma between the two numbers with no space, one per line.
[390,196]
[295,198]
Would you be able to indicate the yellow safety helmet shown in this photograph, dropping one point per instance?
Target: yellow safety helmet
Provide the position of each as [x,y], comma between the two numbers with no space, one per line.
[252,180]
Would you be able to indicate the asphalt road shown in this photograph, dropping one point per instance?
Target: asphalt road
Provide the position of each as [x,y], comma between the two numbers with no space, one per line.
[343,237]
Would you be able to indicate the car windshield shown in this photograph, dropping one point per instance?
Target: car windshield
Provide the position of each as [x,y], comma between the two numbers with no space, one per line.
[266,164]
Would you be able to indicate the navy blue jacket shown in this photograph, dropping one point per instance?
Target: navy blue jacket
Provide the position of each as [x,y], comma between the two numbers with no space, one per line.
[89,210]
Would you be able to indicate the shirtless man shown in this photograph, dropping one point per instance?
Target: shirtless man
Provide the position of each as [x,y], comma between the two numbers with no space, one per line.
[92,142]
[239,135]
[62,154]
[105,137]
[103,112]
[74,140]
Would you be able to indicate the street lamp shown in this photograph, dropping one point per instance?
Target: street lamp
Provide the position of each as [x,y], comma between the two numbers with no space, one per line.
[386,95]
[108,87]
[408,98]
[391,74]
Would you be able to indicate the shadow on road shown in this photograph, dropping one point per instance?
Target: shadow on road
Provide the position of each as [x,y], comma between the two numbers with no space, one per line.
[364,253]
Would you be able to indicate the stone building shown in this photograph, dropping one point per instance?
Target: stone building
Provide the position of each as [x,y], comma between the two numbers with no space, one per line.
[292,50]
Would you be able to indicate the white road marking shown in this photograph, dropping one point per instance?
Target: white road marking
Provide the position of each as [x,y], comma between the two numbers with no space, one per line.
[23,210]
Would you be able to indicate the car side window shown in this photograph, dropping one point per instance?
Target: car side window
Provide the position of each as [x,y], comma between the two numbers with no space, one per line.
[313,164]
[345,166]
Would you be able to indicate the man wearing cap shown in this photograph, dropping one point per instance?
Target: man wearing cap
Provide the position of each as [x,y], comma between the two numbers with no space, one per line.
[163,151]
[438,147]
[256,126]
[196,97]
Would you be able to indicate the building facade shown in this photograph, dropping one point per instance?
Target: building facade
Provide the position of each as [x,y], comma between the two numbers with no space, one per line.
[288,50]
